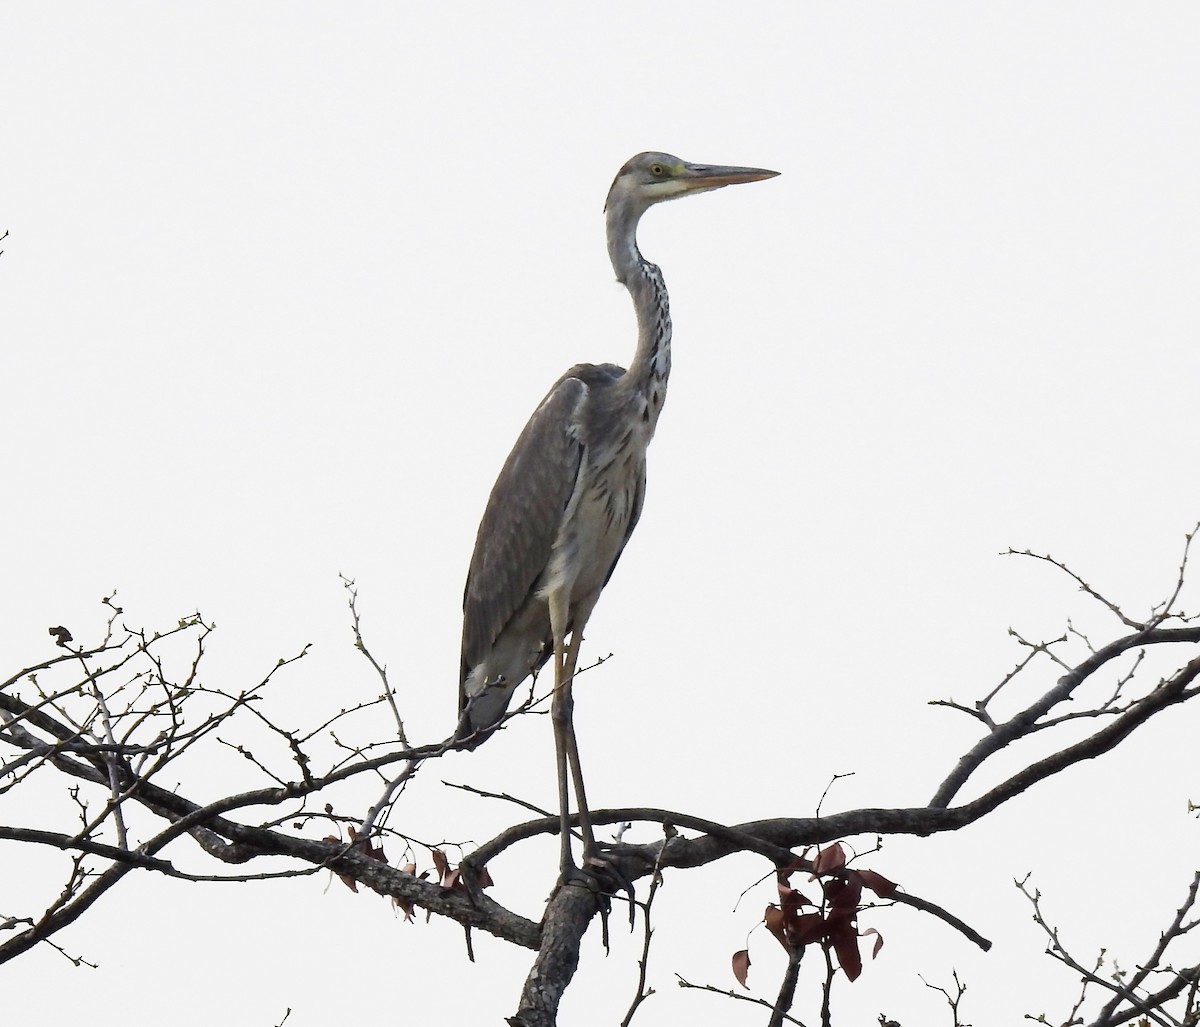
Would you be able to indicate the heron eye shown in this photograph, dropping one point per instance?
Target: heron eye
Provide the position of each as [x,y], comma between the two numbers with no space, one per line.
[657,170]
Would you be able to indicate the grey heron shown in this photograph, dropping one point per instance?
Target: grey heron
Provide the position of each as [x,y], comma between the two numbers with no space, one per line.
[570,493]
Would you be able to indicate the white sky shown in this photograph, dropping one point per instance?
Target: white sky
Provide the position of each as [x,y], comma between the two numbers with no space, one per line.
[284,281]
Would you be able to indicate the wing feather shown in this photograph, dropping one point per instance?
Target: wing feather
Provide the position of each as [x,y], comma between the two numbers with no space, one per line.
[522,518]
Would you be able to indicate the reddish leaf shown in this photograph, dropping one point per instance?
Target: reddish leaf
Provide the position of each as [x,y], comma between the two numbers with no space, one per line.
[842,895]
[879,884]
[878,941]
[805,929]
[773,918]
[791,900]
[453,879]
[365,847]
[741,967]
[845,943]
[440,863]
[829,859]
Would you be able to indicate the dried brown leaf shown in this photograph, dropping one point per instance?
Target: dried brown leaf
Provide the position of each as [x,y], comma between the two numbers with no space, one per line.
[845,943]
[879,884]
[878,941]
[791,900]
[773,918]
[441,864]
[829,859]
[741,967]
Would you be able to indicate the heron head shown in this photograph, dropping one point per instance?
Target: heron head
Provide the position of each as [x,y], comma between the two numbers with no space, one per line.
[651,177]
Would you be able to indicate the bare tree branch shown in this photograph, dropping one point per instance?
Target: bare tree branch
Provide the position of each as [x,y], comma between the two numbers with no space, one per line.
[112,718]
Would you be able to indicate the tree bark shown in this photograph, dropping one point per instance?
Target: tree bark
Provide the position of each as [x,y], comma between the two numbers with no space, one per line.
[568,914]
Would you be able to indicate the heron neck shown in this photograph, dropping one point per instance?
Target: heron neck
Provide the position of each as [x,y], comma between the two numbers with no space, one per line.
[651,365]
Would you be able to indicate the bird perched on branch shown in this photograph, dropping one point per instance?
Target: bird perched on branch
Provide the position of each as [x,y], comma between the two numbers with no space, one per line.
[570,493]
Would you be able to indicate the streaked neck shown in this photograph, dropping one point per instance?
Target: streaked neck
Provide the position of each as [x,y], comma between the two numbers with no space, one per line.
[651,365]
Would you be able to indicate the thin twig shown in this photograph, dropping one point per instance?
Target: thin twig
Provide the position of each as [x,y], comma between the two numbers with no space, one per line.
[1083,585]
[953,1001]
[1057,950]
[503,796]
[1177,928]
[361,646]
[741,998]
[643,992]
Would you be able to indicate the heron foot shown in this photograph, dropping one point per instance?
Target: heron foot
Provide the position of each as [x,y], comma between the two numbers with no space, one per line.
[604,877]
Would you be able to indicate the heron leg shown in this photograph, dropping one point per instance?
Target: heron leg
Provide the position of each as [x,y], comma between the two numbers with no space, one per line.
[560,717]
[572,746]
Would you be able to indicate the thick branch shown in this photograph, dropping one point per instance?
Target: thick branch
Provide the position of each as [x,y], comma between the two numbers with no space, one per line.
[1021,724]
[75,843]
[567,917]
